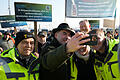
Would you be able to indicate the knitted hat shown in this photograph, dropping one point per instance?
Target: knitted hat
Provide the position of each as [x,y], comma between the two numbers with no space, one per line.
[63,26]
[22,35]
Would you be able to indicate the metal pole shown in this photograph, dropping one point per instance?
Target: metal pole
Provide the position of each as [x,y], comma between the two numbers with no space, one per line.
[9,7]
[65,12]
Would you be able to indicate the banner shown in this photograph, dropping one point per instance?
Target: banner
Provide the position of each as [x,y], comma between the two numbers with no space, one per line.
[12,24]
[7,18]
[33,12]
[90,8]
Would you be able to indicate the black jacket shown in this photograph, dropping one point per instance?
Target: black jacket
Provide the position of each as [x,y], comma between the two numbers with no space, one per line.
[85,68]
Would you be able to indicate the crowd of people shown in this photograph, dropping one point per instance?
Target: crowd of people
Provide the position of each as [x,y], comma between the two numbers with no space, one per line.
[61,55]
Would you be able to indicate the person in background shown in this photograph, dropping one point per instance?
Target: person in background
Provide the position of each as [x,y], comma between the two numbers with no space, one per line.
[41,40]
[11,38]
[84,26]
[49,35]
[1,36]
[108,35]
[106,57]
[1,50]
[6,42]
[13,35]
[18,63]
[57,59]
[116,35]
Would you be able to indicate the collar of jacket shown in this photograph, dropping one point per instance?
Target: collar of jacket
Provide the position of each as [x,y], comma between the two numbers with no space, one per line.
[55,42]
[24,61]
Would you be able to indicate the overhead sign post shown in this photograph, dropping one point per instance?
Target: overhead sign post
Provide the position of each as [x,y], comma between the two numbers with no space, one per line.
[33,12]
[35,32]
[90,8]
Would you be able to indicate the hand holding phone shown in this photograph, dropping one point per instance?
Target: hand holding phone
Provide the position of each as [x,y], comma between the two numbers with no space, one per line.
[93,40]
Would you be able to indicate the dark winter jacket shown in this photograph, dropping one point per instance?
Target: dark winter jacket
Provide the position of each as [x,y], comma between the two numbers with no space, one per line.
[55,64]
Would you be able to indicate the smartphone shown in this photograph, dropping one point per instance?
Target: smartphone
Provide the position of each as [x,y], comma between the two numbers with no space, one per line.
[93,40]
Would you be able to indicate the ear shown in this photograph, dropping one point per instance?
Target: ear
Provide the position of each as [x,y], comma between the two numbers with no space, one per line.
[55,35]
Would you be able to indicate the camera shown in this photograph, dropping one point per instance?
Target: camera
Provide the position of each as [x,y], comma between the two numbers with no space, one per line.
[93,40]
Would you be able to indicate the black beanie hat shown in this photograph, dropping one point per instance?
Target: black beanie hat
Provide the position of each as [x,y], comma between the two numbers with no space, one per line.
[22,35]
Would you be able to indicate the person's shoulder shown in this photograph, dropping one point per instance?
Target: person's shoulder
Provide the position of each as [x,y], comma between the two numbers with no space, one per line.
[47,47]
[6,52]
[5,60]
[48,43]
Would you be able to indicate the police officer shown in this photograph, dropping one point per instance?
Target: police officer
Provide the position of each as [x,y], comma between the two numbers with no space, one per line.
[106,57]
[18,63]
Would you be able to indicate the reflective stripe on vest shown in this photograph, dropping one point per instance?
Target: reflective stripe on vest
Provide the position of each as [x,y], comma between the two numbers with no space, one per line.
[5,65]
[15,75]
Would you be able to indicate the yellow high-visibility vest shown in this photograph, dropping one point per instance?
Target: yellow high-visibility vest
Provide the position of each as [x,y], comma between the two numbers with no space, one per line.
[73,70]
[11,70]
[109,69]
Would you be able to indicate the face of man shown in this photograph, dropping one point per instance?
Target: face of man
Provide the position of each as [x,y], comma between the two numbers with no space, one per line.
[84,49]
[84,27]
[108,35]
[63,36]
[41,39]
[26,46]
[99,45]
